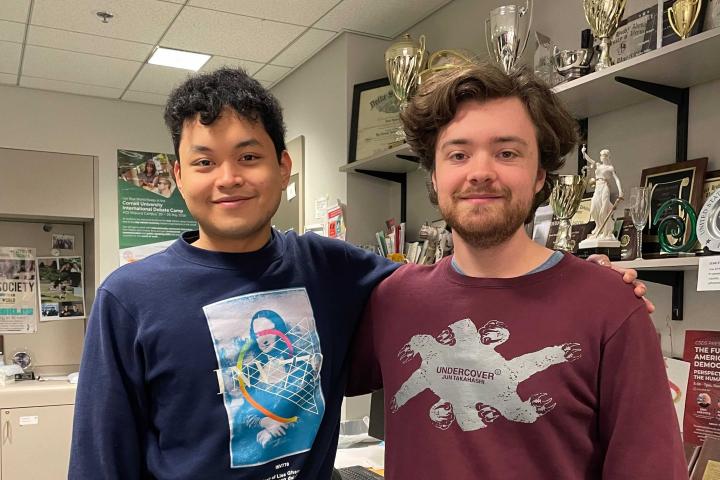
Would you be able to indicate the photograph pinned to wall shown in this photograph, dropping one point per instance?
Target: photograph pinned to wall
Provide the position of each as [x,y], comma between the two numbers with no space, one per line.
[63,242]
[18,287]
[336,223]
[61,291]
[682,180]
[151,211]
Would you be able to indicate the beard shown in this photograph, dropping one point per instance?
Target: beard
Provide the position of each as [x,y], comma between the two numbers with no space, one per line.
[486,226]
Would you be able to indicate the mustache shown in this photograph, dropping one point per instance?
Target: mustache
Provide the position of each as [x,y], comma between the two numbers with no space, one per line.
[502,192]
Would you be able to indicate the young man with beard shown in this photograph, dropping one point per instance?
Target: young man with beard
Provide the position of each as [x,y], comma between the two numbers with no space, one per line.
[237,366]
[508,360]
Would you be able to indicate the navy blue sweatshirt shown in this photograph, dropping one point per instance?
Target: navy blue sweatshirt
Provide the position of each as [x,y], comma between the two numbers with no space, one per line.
[209,365]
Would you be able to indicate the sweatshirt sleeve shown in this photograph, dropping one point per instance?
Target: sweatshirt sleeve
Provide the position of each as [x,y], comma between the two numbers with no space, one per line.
[364,375]
[638,426]
[111,412]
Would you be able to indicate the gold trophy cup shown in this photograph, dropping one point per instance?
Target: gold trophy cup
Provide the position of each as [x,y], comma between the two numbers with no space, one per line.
[603,17]
[682,16]
[565,200]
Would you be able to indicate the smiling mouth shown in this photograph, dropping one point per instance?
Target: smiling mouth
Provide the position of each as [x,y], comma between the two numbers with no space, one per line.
[231,200]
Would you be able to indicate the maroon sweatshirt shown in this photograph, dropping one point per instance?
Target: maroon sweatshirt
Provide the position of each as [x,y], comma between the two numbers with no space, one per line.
[553,375]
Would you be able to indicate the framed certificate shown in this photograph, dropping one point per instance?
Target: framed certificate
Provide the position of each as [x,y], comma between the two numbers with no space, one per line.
[375,121]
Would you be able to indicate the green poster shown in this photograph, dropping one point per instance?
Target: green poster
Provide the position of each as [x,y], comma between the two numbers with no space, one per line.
[151,211]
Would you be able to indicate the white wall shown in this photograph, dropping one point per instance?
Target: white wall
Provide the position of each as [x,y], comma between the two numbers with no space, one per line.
[66,123]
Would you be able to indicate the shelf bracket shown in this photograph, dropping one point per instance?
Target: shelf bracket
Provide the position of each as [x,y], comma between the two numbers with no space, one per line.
[678,96]
[675,280]
[400,178]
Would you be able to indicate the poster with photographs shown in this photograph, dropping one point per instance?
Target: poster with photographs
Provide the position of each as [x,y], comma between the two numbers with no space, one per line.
[61,290]
[702,404]
[18,290]
[151,211]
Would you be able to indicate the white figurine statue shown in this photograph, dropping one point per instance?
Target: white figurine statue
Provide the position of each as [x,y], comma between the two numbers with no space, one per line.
[601,208]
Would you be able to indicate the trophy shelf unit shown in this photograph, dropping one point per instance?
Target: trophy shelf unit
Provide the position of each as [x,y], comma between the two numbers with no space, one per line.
[393,164]
[682,64]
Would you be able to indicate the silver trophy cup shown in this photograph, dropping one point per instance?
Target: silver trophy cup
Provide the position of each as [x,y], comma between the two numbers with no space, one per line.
[506,33]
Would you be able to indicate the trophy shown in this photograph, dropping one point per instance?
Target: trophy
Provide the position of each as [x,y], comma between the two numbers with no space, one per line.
[565,200]
[682,16]
[708,223]
[403,62]
[508,34]
[603,17]
[573,64]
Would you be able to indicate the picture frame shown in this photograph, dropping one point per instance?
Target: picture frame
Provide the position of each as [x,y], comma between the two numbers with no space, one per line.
[677,180]
[711,183]
[375,120]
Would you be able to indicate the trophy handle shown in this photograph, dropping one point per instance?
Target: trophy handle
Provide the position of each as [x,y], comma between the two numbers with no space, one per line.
[422,53]
[528,7]
[671,18]
[487,39]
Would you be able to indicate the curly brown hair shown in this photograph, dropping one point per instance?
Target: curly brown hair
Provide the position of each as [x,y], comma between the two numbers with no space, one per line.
[438,98]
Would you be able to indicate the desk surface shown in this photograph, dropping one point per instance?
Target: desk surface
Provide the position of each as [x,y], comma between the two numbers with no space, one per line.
[368,455]
[32,393]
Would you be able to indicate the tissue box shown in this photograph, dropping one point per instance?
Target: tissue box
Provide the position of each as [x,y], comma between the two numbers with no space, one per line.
[7,374]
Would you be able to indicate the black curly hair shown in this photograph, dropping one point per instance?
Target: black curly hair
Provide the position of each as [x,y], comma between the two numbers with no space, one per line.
[208,94]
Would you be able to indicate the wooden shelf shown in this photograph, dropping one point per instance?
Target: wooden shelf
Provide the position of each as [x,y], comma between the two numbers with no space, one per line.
[682,64]
[387,161]
[665,264]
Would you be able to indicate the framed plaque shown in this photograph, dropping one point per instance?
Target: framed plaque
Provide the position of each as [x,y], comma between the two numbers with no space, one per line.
[636,34]
[712,183]
[375,121]
[678,180]
[668,34]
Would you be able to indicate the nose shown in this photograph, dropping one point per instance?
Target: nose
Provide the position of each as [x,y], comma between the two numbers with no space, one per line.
[230,175]
[481,169]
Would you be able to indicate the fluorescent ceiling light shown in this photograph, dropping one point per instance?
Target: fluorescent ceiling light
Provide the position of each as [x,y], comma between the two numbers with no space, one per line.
[178,59]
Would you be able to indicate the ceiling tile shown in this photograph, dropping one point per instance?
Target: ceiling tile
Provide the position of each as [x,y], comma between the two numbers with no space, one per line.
[15,10]
[158,79]
[12,31]
[216,62]
[272,73]
[8,78]
[387,18]
[135,20]
[54,64]
[217,33]
[70,87]
[304,47]
[81,42]
[10,57]
[144,97]
[305,12]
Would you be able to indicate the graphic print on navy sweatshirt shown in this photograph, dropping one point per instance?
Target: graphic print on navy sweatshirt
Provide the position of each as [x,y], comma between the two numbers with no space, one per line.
[473,382]
[269,355]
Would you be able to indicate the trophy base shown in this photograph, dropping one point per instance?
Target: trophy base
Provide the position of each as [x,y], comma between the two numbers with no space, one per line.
[612,253]
[595,243]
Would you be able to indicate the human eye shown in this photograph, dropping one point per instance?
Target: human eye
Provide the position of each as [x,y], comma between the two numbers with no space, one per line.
[201,162]
[457,156]
[508,155]
[248,157]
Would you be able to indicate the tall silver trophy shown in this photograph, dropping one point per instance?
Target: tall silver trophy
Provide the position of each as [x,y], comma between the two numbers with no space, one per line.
[506,33]
[603,16]
[404,60]
[565,200]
